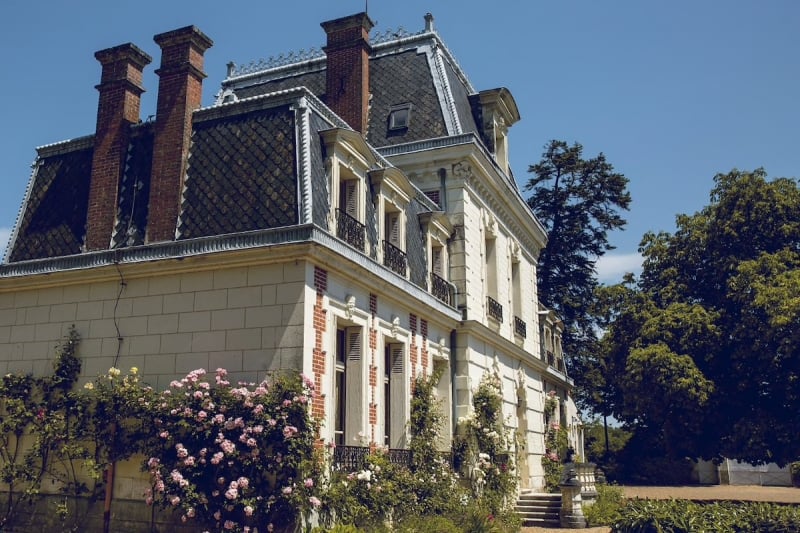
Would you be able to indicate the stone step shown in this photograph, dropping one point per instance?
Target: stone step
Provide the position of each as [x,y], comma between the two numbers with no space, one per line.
[539,509]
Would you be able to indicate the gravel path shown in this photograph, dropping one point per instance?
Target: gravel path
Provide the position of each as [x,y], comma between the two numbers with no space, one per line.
[694,492]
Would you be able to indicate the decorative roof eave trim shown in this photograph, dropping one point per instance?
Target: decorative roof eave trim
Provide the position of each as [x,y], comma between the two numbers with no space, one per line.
[319,62]
[12,239]
[157,251]
[180,250]
[427,144]
[63,147]
[303,157]
[268,74]
[489,336]
[443,89]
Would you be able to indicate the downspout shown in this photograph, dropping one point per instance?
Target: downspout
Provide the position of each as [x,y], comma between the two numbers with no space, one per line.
[454,421]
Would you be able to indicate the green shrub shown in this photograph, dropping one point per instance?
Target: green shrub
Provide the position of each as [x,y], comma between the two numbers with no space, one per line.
[683,516]
[606,508]
[427,524]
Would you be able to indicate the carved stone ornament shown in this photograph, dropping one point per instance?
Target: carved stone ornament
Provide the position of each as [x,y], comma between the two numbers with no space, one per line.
[515,251]
[350,305]
[462,170]
[490,224]
[395,326]
[522,390]
[442,346]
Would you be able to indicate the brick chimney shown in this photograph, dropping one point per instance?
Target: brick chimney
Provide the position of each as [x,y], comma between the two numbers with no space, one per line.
[347,76]
[118,107]
[180,89]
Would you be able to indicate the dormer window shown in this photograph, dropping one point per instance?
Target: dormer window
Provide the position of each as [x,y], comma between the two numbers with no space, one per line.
[348,226]
[394,255]
[399,117]
[392,196]
[437,228]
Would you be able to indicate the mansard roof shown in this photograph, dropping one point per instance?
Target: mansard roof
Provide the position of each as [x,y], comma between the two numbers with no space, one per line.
[415,69]
[253,154]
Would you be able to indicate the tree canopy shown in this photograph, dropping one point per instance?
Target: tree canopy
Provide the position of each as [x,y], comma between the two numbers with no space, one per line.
[579,202]
[701,353]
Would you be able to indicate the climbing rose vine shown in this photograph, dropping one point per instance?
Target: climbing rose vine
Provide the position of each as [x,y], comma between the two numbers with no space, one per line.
[235,457]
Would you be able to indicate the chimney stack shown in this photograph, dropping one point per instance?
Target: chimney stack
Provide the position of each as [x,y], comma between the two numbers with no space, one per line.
[120,91]
[347,75]
[180,89]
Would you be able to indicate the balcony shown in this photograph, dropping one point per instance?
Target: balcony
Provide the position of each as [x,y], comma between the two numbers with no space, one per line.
[494,309]
[350,230]
[520,327]
[551,358]
[395,258]
[443,290]
[351,458]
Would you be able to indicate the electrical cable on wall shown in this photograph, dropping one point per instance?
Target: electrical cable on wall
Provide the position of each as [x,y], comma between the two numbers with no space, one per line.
[122,285]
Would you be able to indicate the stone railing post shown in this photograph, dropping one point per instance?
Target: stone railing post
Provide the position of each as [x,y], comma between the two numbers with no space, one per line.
[571,514]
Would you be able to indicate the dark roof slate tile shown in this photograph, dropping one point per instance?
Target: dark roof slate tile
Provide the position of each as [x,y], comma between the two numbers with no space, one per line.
[53,222]
[242,174]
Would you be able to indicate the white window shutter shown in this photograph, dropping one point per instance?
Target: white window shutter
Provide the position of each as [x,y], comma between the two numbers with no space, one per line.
[436,259]
[351,208]
[393,228]
[353,345]
[397,358]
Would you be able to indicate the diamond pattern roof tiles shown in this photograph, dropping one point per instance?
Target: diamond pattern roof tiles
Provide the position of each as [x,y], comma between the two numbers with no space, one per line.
[242,174]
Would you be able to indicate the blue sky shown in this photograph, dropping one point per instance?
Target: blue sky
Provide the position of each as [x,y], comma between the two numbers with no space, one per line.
[671,92]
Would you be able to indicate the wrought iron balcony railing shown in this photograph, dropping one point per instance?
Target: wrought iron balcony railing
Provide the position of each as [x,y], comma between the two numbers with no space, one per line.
[350,230]
[352,457]
[395,258]
[494,308]
[520,328]
[443,290]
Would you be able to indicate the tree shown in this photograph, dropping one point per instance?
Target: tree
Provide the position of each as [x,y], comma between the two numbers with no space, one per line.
[578,201]
[703,350]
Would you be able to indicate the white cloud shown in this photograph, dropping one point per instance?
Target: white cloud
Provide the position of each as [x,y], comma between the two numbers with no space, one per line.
[611,267]
[5,233]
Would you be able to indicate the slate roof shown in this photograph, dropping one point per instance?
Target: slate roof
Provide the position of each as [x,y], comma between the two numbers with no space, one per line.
[53,220]
[415,69]
[244,171]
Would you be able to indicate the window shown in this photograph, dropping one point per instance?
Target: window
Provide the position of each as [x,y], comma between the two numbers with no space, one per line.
[494,308]
[394,255]
[348,225]
[437,261]
[399,117]
[520,328]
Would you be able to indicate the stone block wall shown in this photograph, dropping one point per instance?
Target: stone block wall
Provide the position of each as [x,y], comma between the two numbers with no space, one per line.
[248,320]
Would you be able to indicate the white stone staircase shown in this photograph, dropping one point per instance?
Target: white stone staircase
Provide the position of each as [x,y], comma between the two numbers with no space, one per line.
[539,509]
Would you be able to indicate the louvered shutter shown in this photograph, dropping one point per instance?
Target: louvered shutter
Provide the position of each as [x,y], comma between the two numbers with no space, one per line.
[397,358]
[393,228]
[353,345]
[436,259]
[351,207]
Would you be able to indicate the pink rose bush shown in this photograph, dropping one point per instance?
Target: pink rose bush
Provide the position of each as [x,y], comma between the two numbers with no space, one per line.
[235,457]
